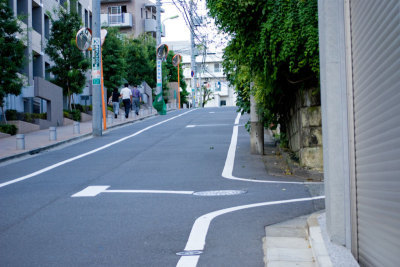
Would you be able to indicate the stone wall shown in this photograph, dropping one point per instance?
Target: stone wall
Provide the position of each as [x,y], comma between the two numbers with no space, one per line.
[305,130]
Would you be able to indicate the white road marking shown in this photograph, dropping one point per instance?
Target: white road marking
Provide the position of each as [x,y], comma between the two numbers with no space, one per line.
[205,125]
[230,161]
[197,237]
[91,191]
[87,153]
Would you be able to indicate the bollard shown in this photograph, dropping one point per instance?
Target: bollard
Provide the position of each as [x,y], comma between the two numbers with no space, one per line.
[52,133]
[20,141]
[77,128]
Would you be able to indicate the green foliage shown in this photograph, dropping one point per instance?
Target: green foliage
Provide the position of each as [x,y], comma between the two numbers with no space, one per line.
[172,76]
[11,53]
[8,129]
[113,61]
[11,115]
[74,114]
[275,45]
[70,63]
[140,61]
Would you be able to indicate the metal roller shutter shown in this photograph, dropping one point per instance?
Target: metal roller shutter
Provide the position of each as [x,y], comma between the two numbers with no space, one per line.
[375,37]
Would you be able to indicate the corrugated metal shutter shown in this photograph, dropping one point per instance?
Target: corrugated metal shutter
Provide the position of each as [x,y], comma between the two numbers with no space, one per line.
[375,30]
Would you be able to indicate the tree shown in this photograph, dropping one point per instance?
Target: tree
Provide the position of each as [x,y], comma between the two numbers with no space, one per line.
[275,45]
[172,76]
[140,61]
[11,53]
[113,60]
[207,95]
[70,64]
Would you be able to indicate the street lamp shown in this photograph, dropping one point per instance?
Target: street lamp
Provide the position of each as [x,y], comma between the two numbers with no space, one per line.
[162,23]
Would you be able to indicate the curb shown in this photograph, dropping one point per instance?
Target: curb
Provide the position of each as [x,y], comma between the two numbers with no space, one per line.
[317,243]
[39,149]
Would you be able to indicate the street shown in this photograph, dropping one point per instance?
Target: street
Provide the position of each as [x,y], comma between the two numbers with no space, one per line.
[147,194]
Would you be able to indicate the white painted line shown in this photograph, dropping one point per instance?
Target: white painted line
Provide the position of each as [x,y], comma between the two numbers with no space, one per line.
[230,161]
[206,125]
[151,192]
[197,237]
[91,191]
[87,153]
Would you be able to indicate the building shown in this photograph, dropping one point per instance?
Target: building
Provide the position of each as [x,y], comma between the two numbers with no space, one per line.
[133,17]
[38,95]
[360,101]
[210,74]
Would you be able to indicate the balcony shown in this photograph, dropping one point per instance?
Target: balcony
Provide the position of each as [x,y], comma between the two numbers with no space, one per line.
[36,42]
[123,20]
[150,25]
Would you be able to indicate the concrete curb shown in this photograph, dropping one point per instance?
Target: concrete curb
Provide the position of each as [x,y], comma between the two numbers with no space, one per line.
[317,243]
[72,139]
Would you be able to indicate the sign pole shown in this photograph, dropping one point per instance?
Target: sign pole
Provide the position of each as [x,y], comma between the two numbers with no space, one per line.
[179,91]
[96,70]
[102,92]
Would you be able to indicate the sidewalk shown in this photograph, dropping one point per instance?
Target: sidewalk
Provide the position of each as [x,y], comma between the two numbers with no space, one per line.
[40,140]
[302,241]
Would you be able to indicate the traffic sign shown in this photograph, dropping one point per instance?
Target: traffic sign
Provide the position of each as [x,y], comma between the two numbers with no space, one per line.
[96,67]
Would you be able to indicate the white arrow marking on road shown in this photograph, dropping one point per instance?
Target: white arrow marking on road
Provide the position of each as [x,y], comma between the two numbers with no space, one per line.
[92,191]
[197,237]
[87,153]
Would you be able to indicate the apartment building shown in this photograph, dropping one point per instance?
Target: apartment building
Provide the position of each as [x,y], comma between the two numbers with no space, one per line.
[38,95]
[209,74]
[133,17]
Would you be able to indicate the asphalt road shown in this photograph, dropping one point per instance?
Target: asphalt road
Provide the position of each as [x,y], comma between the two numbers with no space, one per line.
[126,198]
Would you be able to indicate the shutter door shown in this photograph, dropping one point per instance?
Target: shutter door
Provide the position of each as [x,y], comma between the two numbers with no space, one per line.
[375,33]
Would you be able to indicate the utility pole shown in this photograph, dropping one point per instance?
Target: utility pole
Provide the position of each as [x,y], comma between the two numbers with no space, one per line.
[96,70]
[256,127]
[193,57]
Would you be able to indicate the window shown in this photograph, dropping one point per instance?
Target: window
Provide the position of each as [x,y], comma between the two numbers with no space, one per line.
[217,67]
[116,14]
[46,27]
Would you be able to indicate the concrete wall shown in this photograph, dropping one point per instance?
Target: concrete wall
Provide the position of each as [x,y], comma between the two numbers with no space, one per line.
[333,77]
[305,130]
[54,97]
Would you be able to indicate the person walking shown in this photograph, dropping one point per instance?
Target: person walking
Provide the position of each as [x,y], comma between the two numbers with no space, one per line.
[126,95]
[136,98]
[114,99]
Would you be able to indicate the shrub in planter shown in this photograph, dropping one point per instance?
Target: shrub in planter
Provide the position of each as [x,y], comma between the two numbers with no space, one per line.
[8,129]
[11,115]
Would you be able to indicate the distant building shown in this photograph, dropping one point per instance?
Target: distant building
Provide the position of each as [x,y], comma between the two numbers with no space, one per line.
[133,17]
[210,74]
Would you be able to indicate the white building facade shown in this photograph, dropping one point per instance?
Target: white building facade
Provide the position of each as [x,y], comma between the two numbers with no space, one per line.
[209,74]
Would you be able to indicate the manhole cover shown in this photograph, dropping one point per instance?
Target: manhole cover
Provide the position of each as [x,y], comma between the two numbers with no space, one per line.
[190,253]
[219,193]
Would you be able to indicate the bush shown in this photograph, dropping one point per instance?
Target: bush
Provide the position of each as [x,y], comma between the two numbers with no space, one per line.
[11,115]
[74,114]
[8,129]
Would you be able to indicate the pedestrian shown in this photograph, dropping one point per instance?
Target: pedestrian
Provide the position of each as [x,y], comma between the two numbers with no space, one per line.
[126,95]
[114,99]
[136,98]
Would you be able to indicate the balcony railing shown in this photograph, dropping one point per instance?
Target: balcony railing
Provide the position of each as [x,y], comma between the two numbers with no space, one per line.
[123,20]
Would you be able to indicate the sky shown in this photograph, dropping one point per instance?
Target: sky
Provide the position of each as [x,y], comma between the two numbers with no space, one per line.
[175,29]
